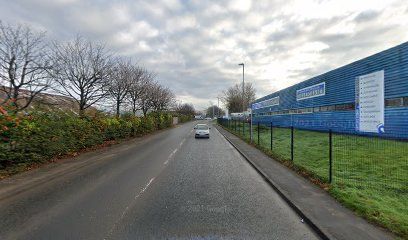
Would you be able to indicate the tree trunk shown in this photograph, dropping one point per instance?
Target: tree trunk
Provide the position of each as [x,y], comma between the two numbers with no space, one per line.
[81,113]
[117,108]
[134,108]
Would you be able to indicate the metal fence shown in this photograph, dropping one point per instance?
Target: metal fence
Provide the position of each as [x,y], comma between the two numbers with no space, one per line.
[349,161]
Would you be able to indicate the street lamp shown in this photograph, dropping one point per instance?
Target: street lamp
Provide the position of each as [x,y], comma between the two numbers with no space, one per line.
[218,107]
[243,86]
[243,97]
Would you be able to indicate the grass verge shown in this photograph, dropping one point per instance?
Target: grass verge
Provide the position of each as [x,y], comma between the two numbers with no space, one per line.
[369,175]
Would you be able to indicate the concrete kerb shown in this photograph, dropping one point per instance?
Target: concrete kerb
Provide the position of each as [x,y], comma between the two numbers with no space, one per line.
[318,230]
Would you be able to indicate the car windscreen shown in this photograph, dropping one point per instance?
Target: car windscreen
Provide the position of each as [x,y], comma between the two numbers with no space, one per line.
[202,127]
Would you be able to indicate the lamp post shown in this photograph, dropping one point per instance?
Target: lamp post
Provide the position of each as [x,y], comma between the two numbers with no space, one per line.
[243,96]
[243,86]
[218,107]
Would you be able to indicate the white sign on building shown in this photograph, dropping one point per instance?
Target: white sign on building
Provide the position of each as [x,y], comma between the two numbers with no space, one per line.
[370,102]
[266,103]
[311,92]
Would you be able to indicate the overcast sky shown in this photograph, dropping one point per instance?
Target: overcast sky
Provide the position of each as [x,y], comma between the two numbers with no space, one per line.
[195,45]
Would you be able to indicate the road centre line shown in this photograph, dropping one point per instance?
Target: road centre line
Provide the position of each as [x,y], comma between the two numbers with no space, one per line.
[182,142]
[174,152]
[127,208]
[144,189]
[170,156]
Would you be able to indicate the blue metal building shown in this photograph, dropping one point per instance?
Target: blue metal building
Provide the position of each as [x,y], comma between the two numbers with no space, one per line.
[331,100]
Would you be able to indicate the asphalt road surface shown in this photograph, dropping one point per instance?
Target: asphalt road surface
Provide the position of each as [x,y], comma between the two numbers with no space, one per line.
[165,186]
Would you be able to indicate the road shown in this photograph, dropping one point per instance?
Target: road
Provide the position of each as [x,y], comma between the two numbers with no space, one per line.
[165,186]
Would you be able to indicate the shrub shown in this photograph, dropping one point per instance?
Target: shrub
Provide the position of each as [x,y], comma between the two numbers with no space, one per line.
[40,135]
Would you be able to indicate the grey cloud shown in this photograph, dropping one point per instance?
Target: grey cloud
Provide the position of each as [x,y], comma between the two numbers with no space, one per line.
[200,61]
[366,16]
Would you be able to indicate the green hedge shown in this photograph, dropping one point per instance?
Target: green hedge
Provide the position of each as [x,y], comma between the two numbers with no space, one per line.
[39,136]
[185,118]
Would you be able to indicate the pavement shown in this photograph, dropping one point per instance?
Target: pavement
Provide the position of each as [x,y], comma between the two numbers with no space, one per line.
[165,186]
[322,212]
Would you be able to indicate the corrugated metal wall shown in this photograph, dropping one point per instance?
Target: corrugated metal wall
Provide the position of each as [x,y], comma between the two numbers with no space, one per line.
[340,88]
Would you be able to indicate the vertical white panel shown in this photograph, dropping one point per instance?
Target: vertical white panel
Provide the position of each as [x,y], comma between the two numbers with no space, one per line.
[370,102]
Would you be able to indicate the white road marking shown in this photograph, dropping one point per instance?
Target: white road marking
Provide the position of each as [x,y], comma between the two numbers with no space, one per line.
[144,189]
[174,152]
[127,208]
[182,142]
[171,156]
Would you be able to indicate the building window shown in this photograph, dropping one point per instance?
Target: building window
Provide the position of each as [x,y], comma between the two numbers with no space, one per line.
[406,101]
[324,108]
[345,107]
[394,102]
[305,110]
[331,108]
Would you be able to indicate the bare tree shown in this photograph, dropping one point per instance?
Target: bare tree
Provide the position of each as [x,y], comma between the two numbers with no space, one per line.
[145,100]
[139,83]
[82,69]
[24,65]
[162,98]
[185,109]
[120,82]
[233,97]
[213,111]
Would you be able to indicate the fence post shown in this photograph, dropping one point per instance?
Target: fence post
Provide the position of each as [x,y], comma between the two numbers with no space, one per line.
[243,127]
[271,136]
[330,156]
[291,143]
[239,126]
[258,133]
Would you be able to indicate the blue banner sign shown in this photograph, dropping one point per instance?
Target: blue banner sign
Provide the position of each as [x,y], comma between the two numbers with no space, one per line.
[311,92]
[266,103]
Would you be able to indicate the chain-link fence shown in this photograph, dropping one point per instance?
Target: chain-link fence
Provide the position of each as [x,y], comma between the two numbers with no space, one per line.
[347,160]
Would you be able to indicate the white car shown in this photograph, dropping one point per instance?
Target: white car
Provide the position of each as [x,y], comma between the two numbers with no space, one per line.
[202,131]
